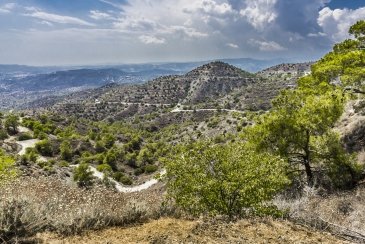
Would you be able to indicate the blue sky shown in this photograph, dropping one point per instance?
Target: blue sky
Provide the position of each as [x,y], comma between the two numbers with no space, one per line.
[81,32]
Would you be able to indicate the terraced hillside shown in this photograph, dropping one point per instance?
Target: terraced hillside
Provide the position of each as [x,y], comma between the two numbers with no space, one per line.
[216,86]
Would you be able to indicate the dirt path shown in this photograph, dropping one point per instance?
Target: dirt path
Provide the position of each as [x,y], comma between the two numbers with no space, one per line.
[167,230]
[120,187]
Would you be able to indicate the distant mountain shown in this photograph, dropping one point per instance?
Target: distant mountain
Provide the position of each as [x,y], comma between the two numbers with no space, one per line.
[20,84]
[66,79]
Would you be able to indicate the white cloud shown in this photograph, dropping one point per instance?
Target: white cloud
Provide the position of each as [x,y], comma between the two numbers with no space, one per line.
[209,7]
[259,13]
[267,46]
[336,23]
[188,31]
[60,19]
[7,8]
[232,45]
[151,40]
[115,5]
[319,34]
[43,22]
[97,15]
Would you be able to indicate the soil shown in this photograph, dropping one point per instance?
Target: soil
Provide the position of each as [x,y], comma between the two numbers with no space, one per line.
[168,230]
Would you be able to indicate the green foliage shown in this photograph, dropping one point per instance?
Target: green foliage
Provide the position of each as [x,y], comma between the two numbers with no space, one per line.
[8,170]
[104,168]
[24,137]
[150,168]
[11,123]
[45,148]
[302,119]
[358,30]
[223,179]
[83,175]
[66,151]
[3,134]
[125,180]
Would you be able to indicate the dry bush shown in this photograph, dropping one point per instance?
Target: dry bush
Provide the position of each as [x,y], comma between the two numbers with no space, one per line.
[32,205]
[342,213]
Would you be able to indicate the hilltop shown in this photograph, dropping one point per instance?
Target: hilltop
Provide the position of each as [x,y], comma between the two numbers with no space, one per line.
[216,85]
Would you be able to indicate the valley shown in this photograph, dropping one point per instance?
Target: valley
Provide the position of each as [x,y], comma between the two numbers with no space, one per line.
[217,152]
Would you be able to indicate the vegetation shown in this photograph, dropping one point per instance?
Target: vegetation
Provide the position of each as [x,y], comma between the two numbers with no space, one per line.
[7,168]
[83,175]
[224,179]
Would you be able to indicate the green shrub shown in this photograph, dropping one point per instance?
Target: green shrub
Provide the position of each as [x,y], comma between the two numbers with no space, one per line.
[125,180]
[150,168]
[24,137]
[44,147]
[230,180]
[83,175]
[3,134]
[138,171]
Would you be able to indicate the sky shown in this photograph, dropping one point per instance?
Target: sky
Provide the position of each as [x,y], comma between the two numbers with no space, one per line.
[87,32]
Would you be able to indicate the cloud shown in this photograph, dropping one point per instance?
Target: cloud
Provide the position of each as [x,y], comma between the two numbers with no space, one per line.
[151,40]
[7,8]
[336,23]
[259,13]
[115,5]
[232,45]
[60,19]
[98,15]
[267,46]
[209,7]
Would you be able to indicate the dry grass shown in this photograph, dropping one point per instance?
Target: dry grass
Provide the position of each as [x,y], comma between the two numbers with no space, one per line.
[168,230]
[30,205]
[342,213]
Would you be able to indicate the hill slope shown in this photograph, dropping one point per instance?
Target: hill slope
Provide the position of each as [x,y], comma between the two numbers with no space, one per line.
[216,85]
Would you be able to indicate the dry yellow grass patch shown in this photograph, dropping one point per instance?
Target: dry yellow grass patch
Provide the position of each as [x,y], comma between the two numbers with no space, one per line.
[168,230]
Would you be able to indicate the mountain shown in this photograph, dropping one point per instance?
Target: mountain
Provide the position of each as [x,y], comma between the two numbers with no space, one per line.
[66,79]
[210,87]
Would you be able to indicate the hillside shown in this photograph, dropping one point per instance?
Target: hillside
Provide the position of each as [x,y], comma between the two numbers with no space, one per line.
[214,86]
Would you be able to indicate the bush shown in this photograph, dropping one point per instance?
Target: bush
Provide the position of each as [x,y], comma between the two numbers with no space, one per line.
[150,168]
[125,180]
[3,134]
[7,168]
[44,147]
[24,137]
[83,175]
[66,151]
[231,180]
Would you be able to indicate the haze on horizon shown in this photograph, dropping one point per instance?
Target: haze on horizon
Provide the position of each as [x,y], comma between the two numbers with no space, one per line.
[78,32]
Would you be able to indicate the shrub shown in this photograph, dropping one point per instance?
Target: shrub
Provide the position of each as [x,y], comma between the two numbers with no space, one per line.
[83,175]
[66,151]
[125,180]
[24,137]
[7,168]
[44,147]
[3,134]
[150,168]
[223,179]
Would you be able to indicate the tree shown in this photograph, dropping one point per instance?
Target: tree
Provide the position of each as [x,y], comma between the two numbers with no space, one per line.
[66,151]
[358,30]
[83,175]
[298,116]
[223,179]
[12,123]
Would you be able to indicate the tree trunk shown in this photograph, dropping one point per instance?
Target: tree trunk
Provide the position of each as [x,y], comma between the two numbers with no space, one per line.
[307,164]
